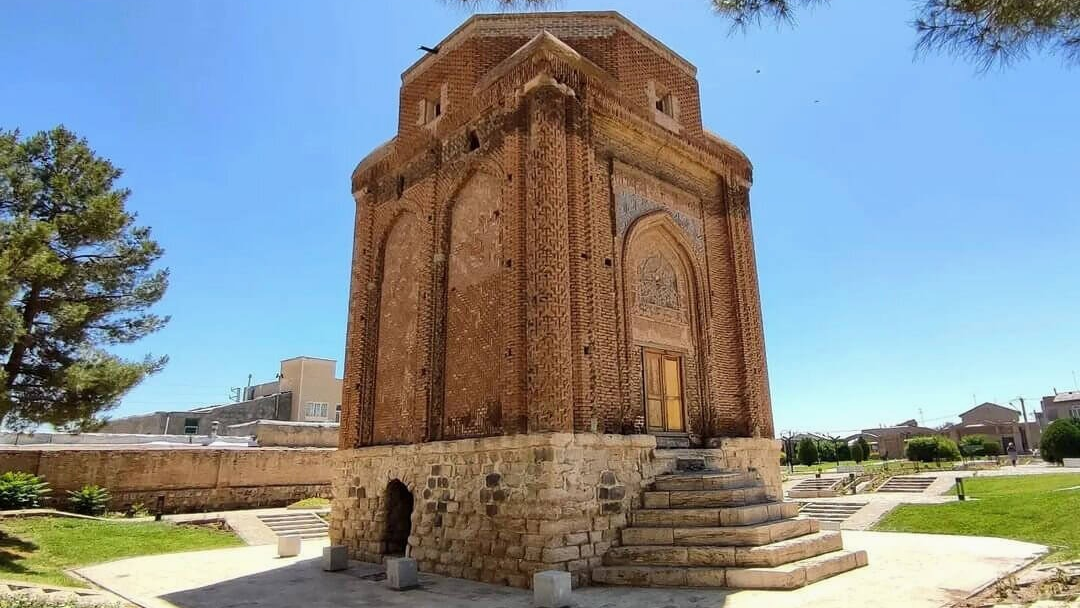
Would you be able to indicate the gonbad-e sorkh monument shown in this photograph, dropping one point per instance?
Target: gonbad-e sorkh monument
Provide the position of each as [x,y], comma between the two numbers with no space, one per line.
[555,356]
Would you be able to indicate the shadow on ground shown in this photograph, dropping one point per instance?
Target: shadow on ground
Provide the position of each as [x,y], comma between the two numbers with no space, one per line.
[304,583]
[12,551]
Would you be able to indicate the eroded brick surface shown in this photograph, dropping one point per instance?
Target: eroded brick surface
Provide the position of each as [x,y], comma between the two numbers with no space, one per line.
[516,253]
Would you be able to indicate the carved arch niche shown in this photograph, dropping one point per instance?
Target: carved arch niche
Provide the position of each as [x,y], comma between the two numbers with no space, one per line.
[473,378]
[660,291]
[398,402]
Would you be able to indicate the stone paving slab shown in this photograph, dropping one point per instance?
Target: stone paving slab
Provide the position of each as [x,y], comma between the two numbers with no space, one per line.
[78,596]
[905,570]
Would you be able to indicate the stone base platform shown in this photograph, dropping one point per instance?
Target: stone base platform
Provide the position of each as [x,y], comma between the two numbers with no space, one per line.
[500,509]
[719,529]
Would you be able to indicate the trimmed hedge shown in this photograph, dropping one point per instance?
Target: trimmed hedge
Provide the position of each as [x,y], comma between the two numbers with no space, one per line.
[929,449]
[1061,440]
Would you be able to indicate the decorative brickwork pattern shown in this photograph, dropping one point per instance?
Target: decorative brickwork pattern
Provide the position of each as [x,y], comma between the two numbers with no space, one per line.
[497,287]
[474,357]
[397,412]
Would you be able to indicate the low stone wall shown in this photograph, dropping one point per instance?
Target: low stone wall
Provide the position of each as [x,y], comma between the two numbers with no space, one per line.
[502,508]
[288,433]
[192,480]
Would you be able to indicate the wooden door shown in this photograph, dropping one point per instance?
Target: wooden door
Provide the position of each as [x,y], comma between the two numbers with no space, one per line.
[663,381]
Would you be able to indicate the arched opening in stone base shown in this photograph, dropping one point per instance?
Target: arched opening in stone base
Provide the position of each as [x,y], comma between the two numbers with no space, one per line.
[399,508]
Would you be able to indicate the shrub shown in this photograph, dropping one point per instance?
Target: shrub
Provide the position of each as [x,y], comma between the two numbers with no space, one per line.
[807,451]
[1061,440]
[826,450]
[20,490]
[980,445]
[856,452]
[929,449]
[89,500]
[865,446]
[843,451]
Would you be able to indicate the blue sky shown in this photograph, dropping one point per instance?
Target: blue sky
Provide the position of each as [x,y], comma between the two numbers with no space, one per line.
[916,222]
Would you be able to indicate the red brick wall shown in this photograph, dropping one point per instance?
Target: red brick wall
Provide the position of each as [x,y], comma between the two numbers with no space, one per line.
[505,306]
[399,405]
[474,337]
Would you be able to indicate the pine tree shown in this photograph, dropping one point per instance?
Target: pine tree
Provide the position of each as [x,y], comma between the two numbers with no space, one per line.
[76,275]
[987,32]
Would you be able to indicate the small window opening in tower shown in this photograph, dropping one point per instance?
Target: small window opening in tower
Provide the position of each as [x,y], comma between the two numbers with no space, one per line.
[665,104]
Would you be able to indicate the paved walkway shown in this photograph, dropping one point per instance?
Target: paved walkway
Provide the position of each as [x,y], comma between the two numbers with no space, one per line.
[906,570]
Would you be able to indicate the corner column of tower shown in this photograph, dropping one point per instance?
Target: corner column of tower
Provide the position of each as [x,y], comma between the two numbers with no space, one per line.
[549,350]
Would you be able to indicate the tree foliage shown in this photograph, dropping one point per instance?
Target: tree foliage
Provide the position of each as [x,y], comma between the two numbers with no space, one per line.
[930,449]
[864,445]
[988,32]
[76,276]
[980,445]
[807,451]
[843,451]
[857,453]
[1061,440]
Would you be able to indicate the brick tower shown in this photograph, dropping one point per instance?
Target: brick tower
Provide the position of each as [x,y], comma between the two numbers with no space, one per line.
[554,304]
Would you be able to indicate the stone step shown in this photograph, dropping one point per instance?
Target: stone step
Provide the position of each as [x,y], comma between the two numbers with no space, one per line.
[305,536]
[688,499]
[705,480]
[690,464]
[788,576]
[906,484]
[727,536]
[287,517]
[713,516]
[296,527]
[769,555]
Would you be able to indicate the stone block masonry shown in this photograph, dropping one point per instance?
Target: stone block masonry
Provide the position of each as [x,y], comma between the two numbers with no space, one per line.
[191,479]
[500,509]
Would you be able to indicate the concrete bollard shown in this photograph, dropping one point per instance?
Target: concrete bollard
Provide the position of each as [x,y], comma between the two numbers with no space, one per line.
[335,558]
[288,546]
[551,589]
[401,573]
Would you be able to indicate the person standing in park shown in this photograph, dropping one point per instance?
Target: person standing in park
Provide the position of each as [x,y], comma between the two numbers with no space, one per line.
[1012,453]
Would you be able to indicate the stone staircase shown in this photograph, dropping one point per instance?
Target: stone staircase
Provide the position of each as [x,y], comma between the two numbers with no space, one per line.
[709,528]
[906,484]
[832,512]
[817,487]
[304,524]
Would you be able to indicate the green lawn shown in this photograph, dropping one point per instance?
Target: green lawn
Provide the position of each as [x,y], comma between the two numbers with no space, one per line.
[1022,508]
[310,503]
[39,549]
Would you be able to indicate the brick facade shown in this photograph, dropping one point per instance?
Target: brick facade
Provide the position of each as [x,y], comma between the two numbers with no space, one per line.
[549,211]
[517,248]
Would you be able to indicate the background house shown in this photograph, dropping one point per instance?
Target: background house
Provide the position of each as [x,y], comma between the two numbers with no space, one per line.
[997,421]
[305,390]
[1059,405]
[889,440]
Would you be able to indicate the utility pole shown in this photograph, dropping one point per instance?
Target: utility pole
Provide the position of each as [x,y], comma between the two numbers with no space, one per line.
[1023,433]
[789,450]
